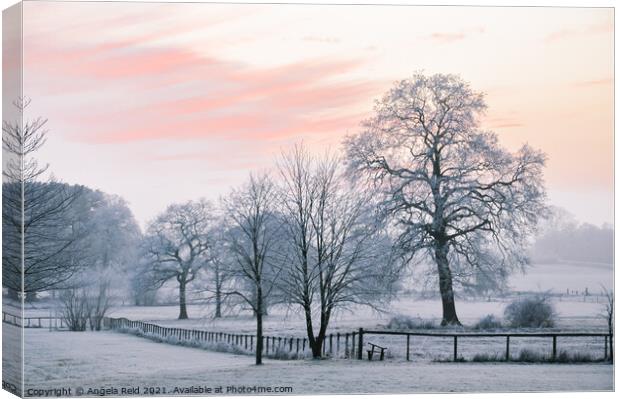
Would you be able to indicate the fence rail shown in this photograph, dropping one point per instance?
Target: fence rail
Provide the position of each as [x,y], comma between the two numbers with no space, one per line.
[54,322]
[343,345]
[607,344]
[340,345]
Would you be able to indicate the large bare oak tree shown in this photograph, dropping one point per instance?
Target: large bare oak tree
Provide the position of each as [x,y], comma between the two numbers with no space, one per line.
[452,191]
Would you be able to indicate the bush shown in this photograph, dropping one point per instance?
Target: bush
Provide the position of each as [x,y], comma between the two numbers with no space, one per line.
[530,312]
[530,356]
[485,357]
[577,357]
[488,322]
[402,322]
[284,354]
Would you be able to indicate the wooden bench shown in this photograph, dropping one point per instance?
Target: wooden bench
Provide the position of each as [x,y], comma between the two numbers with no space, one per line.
[376,349]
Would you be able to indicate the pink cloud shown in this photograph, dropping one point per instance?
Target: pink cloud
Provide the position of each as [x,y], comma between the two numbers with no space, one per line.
[138,87]
[197,97]
[449,37]
[595,82]
[502,122]
[568,33]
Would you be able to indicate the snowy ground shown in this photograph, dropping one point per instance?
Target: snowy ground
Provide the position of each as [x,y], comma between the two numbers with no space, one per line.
[573,315]
[112,360]
[56,359]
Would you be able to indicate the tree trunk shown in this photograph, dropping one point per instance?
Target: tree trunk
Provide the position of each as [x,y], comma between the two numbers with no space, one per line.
[259,327]
[445,286]
[316,342]
[218,301]
[263,307]
[317,346]
[319,341]
[611,335]
[310,332]
[182,304]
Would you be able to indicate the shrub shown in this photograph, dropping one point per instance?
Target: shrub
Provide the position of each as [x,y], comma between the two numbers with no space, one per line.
[402,322]
[530,312]
[530,356]
[577,357]
[488,322]
[485,357]
[284,354]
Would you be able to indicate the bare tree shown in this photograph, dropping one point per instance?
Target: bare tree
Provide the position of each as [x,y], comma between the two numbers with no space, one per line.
[98,303]
[451,190]
[339,254]
[75,311]
[37,214]
[252,238]
[177,242]
[220,268]
[609,318]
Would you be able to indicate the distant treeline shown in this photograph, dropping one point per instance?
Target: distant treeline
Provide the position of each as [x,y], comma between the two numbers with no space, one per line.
[565,240]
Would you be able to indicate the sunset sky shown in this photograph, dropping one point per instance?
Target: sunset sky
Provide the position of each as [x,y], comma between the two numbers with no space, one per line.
[166,102]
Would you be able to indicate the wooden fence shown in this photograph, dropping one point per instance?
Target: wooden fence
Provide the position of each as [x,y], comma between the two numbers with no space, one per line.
[50,322]
[606,343]
[344,345]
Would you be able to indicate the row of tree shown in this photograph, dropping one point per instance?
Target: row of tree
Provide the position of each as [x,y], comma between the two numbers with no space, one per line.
[421,183]
[564,239]
[309,239]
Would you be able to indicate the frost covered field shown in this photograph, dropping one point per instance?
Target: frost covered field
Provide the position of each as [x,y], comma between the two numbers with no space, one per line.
[60,358]
[108,359]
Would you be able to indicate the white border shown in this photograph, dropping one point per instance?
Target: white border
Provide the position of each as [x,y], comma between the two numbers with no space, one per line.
[557,3]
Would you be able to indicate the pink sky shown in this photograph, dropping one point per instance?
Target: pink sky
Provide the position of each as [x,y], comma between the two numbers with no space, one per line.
[164,102]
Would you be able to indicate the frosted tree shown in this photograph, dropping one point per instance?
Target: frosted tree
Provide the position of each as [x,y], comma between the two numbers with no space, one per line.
[177,243]
[219,271]
[38,213]
[338,255]
[252,239]
[452,192]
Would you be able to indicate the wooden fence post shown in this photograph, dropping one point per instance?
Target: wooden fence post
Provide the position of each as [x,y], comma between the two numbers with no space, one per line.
[605,357]
[554,347]
[337,344]
[360,344]
[507,347]
[455,347]
[408,347]
[611,347]
[353,345]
